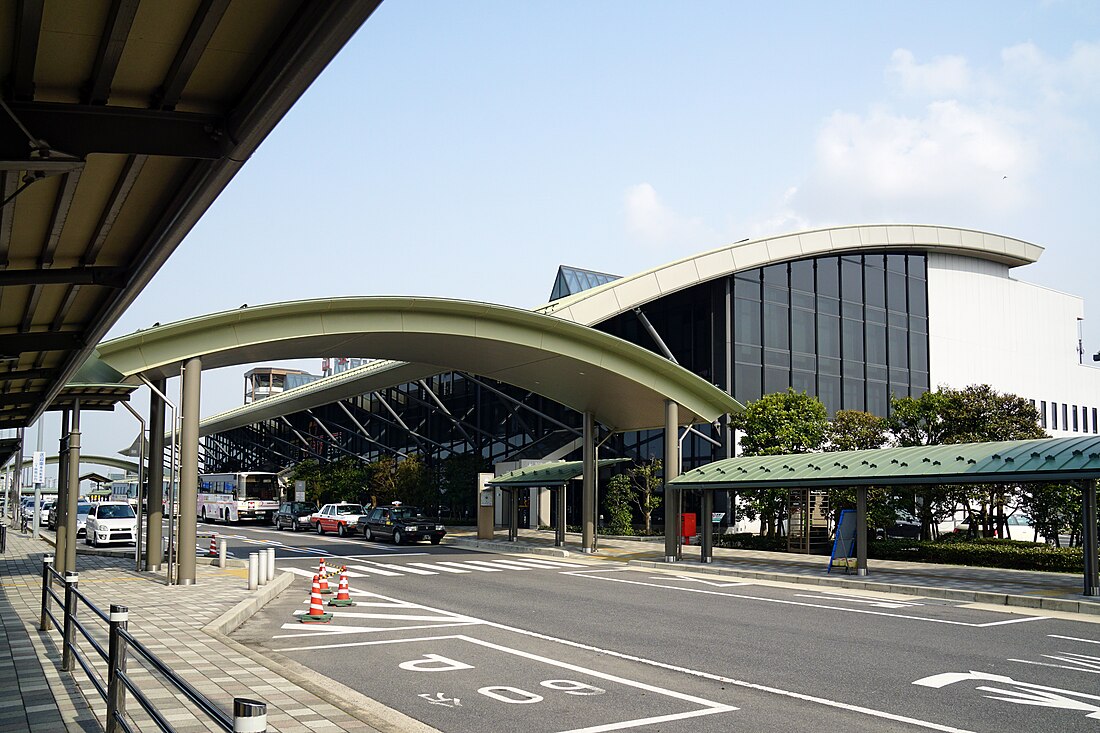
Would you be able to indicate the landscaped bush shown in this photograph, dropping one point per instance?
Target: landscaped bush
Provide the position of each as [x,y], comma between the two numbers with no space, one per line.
[989,553]
[750,541]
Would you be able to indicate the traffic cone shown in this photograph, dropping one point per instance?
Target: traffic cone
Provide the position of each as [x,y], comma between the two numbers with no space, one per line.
[343,597]
[321,569]
[325,590]
[316,613]
[214,545]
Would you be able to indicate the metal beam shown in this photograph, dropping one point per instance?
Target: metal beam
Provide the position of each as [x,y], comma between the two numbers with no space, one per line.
[65,194]
[28,22]
[28,374]
[661,345]
[111,45]
[111,277]
[510,398]
[20,398]
[125,183]
[9,182]
[81,131]
[202,28]
[363,432]
[17,343]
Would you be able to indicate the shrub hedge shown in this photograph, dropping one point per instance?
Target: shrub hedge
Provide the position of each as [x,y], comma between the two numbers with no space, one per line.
[750,541]
[989,553]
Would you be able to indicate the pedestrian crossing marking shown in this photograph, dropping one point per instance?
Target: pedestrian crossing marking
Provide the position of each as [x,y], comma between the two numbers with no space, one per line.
[404,569]
[497,564]
[512,564]
[374,571]
[441,567]
[464,566]
[394,570]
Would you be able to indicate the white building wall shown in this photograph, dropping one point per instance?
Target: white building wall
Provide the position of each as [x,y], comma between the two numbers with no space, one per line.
[985,327]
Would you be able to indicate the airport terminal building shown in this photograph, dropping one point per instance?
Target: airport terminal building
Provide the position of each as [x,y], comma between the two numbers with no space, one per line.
[852,314]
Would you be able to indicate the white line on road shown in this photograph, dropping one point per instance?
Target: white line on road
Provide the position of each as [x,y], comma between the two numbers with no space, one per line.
[1059,666]
[662,665]
[405,568]
[495,564]
[467,568]
[781,601]
[437,567]
[374,571]
[1073,638]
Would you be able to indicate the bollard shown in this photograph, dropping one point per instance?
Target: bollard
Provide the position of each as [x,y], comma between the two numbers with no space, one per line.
[253,570]
[47,583]
[270,564]
[249,716]
[221,553]
[3,539]
[116,662]
[261,567]
[69,636]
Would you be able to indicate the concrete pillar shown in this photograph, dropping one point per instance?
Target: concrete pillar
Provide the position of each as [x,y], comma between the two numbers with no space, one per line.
[154,520]
[513,514]
[672,470]
[540,498]
[706,551]
[861,530]
[62,537]
[588,490]
[74,489]
[1088,506]
[559,528]
[189,469]
[485,507]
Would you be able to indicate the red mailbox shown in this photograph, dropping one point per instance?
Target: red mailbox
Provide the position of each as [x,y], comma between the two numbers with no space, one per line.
[687,526]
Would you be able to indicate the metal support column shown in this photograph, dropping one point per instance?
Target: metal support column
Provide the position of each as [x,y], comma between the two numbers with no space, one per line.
[73,496]
[513,514]
[140,509]
[154,552]
[559,528]
[61,539]
[588,490]
[706,550]
[861,530]
[189,469]
[672,470]
[1092,560]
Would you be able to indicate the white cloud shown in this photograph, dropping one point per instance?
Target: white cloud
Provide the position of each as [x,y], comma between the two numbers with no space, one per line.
[952,143]
[652,222]
[943,76]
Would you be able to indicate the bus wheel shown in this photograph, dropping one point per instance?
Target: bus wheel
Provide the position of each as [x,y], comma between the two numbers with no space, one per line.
[204,519]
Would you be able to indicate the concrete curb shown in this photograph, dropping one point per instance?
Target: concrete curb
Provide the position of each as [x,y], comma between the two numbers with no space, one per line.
[510,547]
[948,594]
[366,710]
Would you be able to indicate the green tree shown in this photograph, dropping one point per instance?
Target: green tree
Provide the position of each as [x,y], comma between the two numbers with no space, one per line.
[415,483]
[777,424]
[310,471]
[459,482]
[346,479]
[646,481]
[383,480]
[617,504]
[1054,509]
[856,430]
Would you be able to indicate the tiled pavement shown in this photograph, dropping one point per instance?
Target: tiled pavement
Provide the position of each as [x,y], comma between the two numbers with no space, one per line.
[35,695]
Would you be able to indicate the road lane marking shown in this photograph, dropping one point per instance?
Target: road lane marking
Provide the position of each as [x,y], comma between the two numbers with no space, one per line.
[438,566]
[879,602]
[406,568]
[467,568]
[495,564]
[1073,638]
[374,571]
[881,714]
[681,589]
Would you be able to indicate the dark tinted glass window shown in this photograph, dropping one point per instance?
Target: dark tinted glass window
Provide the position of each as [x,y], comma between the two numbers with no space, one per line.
[828,335]
[804,382]
[917,267]
[1094,425]
[876,343]
[746,322]
[1065,416]
[802,276]
[803,332]
[898,348]
[1076,424]
[895,292]
[746,382]
[918,352]
[828,277]
[776,327]
[828,391]
[1043,414]
[776,275]
[918,298]
[874,282]
[878,398]
[853,394]
[851,279]
[1054,415]
[776,379]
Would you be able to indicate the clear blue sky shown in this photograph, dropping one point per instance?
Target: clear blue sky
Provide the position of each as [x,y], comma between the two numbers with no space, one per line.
[468,149]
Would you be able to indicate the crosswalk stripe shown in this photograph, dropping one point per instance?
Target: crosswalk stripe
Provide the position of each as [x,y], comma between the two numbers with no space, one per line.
[547,563]
[510,564]
[405,569]
[497,564]
[373,571]
[439,567]
[311,573]
[466,567]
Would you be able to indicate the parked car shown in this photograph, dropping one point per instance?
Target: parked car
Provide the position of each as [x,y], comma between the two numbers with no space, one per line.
[401,524]
[110,521]
[294,515]
[44,506]
[82,509]
[340,518]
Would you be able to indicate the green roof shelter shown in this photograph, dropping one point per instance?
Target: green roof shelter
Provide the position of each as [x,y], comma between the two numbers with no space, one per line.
[1050,460]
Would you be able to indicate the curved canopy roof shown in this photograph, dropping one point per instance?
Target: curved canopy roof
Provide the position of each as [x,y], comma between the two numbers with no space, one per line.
[548,474]
[1014,461]
[88,460]
[121,123]
[624,385]
[600,303]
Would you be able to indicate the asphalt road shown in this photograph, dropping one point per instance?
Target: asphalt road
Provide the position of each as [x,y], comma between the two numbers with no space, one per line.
[470,641]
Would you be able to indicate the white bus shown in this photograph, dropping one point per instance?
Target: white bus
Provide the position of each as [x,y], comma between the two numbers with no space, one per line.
[231,497]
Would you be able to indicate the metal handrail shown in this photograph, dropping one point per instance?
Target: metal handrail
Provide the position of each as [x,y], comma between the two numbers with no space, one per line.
[248,715]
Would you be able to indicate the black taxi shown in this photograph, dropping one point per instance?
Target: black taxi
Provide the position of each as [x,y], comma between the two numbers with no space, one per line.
[400,523]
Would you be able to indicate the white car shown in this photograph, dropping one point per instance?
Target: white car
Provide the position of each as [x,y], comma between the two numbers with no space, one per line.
[340,518]
[110,521]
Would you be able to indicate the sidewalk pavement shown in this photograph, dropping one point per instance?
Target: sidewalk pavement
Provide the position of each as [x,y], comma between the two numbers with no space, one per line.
[186,626]
[1025,588]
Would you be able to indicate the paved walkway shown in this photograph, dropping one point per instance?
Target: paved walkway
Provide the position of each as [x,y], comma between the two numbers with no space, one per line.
[184,626]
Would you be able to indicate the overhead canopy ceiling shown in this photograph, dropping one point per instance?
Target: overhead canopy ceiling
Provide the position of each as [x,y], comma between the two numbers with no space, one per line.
[1014,461]
[623,385]
[121,123]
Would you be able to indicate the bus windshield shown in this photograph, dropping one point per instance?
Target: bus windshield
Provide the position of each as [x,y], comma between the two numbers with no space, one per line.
[257,488]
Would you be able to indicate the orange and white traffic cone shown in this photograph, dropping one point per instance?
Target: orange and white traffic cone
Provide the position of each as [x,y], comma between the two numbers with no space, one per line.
[343,596]
[316,613]
[214,545]
[321,569]
[325,590]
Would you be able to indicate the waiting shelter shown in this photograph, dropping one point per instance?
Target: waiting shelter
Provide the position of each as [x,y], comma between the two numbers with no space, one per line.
[1050,460]
[555,475]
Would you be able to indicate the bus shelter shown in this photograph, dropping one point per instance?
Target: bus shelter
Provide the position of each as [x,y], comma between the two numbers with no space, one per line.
[555,476]
[1050,460]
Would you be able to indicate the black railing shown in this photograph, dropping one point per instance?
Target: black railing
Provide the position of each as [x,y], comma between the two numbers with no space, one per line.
[248,715]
